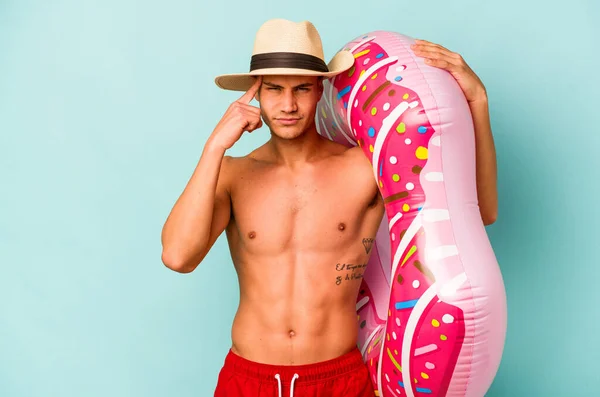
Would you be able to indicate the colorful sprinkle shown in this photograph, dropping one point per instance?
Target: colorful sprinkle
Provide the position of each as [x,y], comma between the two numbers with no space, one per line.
[400,279]
[416,284]
[362,72]
[391,92]
[343,92]
[435,323]
[351,71]
[373,111]
[398,78]
[424,375]
[405,96]
[394,335]
[400,68]
[401,128]
[393,237]
[395,177]
[397,323]
[360,123]
[407,141]
[386,106]
[355,102]
[379,55]
[371,148]
[345,105]
[366,61]
[360,54]
[323,113]
[364,87]
[406,304]
[443,337]
[447,318]
[429,365]
[374,76]
[393,160]
[371,132]
[422,130]
[380,183]
[421,153]
[405,207]
[410,186]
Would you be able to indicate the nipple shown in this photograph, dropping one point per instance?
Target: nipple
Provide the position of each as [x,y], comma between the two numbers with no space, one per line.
[341,226]
[252,234]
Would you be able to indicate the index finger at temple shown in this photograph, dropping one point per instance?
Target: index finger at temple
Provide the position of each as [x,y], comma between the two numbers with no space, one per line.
[248,95]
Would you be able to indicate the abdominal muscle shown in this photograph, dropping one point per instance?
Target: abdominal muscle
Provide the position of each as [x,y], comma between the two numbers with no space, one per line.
[297,311]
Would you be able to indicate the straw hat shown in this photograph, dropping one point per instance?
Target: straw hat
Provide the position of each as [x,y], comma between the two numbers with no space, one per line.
[283,47]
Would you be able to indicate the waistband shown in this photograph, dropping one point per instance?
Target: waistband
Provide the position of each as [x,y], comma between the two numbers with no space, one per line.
[343,364]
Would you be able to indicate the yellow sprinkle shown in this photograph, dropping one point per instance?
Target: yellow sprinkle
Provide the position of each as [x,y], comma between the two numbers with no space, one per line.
[395,352]
[364,87]
[374,76]
[361,73]
[376,393]
[388,336]
[369,350]
[373,111]
[380,184]
[443,337]
[360,54]
[424,375]
[405,96]
[405,207]
[394,360]
[389,312]
[396,177]
[324,114]
[421,153]
[401,128]
[371,148]
[415,380]
[410,253]
[435,323]
[351,71]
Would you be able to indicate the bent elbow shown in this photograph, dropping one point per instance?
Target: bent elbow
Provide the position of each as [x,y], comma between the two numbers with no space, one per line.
[177,264]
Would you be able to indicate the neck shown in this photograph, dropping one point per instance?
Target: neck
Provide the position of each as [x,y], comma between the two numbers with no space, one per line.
[293,152]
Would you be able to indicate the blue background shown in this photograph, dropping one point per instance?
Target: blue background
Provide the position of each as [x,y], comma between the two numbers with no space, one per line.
[104,110]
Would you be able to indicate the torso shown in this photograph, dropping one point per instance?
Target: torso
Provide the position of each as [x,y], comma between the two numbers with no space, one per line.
[292,236]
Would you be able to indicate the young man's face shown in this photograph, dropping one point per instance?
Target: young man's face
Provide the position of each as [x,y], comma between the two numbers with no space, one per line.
[288,103]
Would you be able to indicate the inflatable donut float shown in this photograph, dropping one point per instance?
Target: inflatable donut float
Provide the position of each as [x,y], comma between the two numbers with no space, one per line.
[432,307]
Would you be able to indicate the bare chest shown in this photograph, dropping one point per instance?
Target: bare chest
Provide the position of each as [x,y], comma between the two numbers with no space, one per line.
[312,210]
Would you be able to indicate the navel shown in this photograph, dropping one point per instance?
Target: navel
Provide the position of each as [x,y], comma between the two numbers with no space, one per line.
[292,333]
[252,234]
[341,226]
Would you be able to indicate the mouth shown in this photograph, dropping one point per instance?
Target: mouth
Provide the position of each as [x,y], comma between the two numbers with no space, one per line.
[287,121]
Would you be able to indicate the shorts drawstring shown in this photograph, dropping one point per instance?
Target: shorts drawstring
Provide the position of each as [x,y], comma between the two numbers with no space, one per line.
[296,376]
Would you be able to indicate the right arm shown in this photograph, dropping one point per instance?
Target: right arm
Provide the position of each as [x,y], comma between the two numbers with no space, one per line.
[203,210]
[200,214]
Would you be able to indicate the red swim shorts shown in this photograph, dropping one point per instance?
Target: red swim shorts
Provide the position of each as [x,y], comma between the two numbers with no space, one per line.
[346,376]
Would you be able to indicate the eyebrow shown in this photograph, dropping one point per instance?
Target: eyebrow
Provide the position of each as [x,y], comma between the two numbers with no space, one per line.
[278,86]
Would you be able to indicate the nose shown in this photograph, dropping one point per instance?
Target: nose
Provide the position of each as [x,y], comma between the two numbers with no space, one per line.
[289,104]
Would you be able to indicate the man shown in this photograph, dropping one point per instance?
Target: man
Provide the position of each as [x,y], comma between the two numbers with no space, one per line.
[295,329]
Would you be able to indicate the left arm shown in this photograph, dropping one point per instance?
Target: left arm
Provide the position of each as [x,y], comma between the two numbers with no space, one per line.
[475,93]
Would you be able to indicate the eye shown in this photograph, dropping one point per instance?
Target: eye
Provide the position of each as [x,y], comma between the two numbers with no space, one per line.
[305,89]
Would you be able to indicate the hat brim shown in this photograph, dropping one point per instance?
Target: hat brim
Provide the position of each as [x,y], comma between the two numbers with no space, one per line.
[341,62]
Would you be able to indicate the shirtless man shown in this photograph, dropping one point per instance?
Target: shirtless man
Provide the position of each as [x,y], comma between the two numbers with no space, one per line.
[292,209]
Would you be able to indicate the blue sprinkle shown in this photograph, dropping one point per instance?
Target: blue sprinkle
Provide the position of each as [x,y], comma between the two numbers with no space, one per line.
[401,384]
[419,209]
[398,78]
[371,132]
[333,125]
[343,92]
[379,55]
[406,304]
[381,169]
[422,130]
[364,37]
[423,390]
[345,105]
